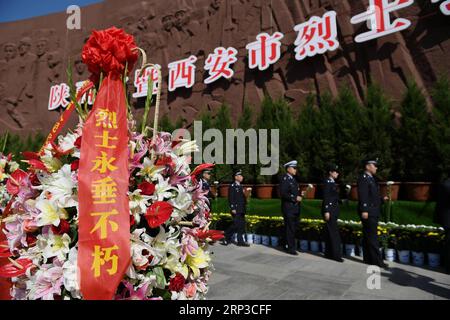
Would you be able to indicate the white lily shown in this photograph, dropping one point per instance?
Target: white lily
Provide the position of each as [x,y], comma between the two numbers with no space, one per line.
[163,189]
[50,213]
[185,147]
[181,165]
[67,142]
[61,185]
[70,267]
[183,200]
[138,204]
[149,169]
[53,245]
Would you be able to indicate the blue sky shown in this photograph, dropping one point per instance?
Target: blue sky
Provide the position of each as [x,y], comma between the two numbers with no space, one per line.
[12,10]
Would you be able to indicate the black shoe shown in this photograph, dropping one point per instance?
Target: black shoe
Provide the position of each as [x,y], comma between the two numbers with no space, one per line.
[243,244]
[339,260]
[383,265]
[225,242]
[293,252]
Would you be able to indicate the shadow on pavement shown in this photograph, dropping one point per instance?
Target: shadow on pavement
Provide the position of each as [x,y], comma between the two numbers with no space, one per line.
[411,279]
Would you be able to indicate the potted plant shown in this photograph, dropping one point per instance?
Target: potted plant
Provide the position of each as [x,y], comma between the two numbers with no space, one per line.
[389,189]
[352,191]
[223,190]
[434,243]
[345,231]
[418,246]
[403,245]
[248,188]
[276,227]
[266,231]
[389,251]
[417,191]
[304,234]
[314,231]
[413,145]
[250,229]
[259,231]
[264,188]
[383,238]
[215,188]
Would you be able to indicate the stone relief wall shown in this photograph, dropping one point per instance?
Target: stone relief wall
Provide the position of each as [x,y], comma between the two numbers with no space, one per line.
[34,54]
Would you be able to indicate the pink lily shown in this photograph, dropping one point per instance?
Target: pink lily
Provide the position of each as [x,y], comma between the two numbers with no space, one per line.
[139,294]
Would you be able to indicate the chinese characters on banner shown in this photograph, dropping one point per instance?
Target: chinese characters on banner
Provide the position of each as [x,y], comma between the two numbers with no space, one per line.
[104,224]
[315,36]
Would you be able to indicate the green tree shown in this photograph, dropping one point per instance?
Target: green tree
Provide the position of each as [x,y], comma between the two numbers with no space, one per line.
[440,128]
[377,129]
[166,124]
[412,141]
[348,118]
[323,142]
[245,122]
[16,144]
[278,115]
[222,121]
[305,133]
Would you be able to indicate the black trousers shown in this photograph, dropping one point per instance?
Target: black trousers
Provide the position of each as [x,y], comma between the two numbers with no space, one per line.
[290,227]
[238,226]
[447,249]
[332,239]
[371,247]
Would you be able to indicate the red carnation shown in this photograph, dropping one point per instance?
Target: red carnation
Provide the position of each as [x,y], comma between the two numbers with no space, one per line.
[158,213]
[177,283]
[147,188]
[74,165]
[62,228]
[108,51]
[31,240]
[77,143]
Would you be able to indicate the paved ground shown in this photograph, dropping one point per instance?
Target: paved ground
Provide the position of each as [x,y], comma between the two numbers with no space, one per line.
[261,272]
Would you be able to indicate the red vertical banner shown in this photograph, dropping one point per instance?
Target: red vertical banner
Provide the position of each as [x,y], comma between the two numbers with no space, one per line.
[104,218]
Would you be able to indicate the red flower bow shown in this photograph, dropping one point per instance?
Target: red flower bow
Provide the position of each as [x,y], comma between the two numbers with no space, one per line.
[108,51]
